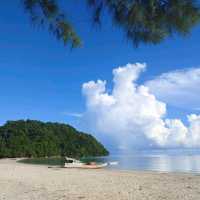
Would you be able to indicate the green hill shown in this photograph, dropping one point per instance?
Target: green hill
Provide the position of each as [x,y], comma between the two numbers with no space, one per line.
[32,138]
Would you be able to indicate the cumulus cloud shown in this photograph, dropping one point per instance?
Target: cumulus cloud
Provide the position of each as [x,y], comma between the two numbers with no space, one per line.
[133,116]
[174,86]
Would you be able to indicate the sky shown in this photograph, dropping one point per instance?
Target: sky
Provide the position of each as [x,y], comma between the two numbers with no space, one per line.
[42,79]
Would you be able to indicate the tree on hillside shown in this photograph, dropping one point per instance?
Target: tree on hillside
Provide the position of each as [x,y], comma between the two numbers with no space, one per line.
[32,138]
[143,21]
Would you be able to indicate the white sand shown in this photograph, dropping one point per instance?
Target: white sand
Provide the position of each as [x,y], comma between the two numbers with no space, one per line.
[22,181]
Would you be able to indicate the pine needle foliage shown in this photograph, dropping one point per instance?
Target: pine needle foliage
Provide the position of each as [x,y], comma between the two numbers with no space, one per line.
[143,21]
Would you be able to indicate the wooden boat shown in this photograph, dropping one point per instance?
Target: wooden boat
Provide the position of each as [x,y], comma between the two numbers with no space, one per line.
[73,163]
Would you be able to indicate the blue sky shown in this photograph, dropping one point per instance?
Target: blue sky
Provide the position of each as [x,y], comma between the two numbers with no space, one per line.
[41,79]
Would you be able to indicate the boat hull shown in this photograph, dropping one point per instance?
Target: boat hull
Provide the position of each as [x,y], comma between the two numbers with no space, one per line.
[85,166]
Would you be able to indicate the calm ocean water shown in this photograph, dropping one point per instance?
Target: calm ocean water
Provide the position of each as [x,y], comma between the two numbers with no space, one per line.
[186,160]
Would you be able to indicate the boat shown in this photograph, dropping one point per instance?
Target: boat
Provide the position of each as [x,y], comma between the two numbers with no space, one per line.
[73,163]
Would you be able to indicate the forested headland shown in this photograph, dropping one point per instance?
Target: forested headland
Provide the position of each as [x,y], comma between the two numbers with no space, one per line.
[30,138]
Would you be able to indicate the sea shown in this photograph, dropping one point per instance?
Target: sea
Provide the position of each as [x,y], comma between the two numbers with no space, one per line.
[164,160]
[167,160]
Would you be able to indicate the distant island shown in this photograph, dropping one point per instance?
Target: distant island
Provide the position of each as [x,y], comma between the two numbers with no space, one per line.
[31,138]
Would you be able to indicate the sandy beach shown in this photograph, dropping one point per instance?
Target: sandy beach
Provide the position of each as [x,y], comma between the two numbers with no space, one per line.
[22,181]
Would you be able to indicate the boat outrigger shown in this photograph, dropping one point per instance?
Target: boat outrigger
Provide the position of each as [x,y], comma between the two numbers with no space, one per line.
[73,163]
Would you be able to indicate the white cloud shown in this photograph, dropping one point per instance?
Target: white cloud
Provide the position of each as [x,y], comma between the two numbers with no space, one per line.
[178,88]
[73,114]
[133,116]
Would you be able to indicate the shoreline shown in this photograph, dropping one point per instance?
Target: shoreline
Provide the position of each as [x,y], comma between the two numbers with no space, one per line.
[113,169]
[109,169]
[26,181]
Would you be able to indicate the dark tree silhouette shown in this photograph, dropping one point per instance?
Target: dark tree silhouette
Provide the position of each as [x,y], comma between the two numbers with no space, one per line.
[143,21]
